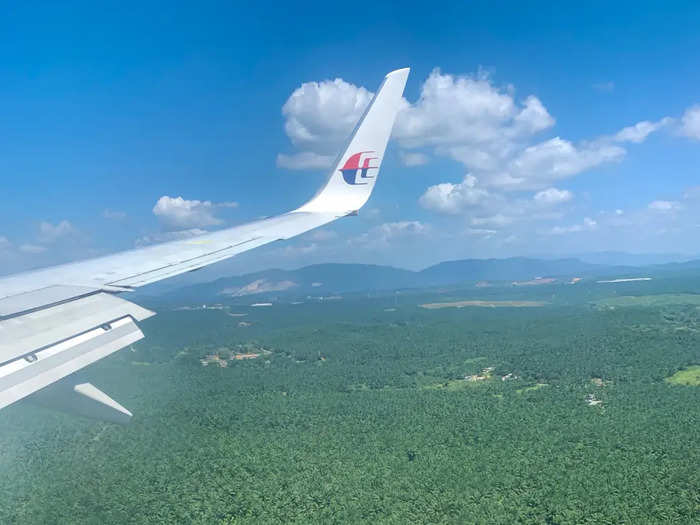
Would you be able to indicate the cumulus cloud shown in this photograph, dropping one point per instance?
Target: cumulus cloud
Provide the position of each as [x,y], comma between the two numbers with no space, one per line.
[690,122]
[464,117]
[641,130]
[393,230]
[453,199]
[472,120]
[587,224]
[385,234]
[553,196]
[176,213]
[49,233]
[458,110]
[485,207]
[554,159]
[52,243]
[513,174]
[318,118]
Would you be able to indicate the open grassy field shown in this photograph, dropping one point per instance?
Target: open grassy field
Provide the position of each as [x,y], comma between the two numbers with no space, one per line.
[689,376]
[486,304]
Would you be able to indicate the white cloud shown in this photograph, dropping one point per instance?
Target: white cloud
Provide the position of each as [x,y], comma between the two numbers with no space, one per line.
[664,206]
[512,175]
[471,120]
[464,117]
[641,130]
[498,220]
[457,110]
[383,235]
[176,213]
[393,230]
[533,118]
[587,224]
[451,198]
[304,160]
[319,116]
[553,196]
[690,122]
[5,243]
[49,233]
[554,159]
[493,210]
[412,159]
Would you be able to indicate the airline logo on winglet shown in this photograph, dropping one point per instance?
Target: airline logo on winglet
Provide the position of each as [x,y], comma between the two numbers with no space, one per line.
[356,168]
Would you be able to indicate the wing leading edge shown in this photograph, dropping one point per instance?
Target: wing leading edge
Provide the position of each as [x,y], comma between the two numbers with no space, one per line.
[57,320]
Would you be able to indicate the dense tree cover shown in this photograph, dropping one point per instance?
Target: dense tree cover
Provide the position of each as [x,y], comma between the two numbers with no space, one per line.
[346,421]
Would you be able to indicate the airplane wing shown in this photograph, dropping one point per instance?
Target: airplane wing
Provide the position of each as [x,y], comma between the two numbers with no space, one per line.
[57,320]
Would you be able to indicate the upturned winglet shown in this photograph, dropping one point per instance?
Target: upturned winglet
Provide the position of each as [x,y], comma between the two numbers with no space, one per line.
[355,171]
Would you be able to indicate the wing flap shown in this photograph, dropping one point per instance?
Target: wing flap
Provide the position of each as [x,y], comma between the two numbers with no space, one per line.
[21,377]
[40,347]
[31,332]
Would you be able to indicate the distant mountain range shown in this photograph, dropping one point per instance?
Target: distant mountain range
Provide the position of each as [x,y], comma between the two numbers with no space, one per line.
[325,279]
[631,259]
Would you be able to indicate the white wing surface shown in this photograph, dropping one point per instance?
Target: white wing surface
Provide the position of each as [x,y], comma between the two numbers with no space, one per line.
[57,320]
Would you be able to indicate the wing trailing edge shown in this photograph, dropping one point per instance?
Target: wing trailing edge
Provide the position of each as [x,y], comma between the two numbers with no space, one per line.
[44,346]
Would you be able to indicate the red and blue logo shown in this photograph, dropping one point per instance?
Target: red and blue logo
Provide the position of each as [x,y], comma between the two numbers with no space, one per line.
[356,169]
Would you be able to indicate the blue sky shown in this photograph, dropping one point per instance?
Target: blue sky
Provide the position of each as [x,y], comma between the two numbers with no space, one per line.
[529,128]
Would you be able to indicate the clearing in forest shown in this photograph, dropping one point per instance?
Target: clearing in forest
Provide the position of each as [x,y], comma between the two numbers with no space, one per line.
[492,304]
[689,376]
[532,388]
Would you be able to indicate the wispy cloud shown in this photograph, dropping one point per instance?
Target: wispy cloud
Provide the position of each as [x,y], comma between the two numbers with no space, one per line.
[50,233]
